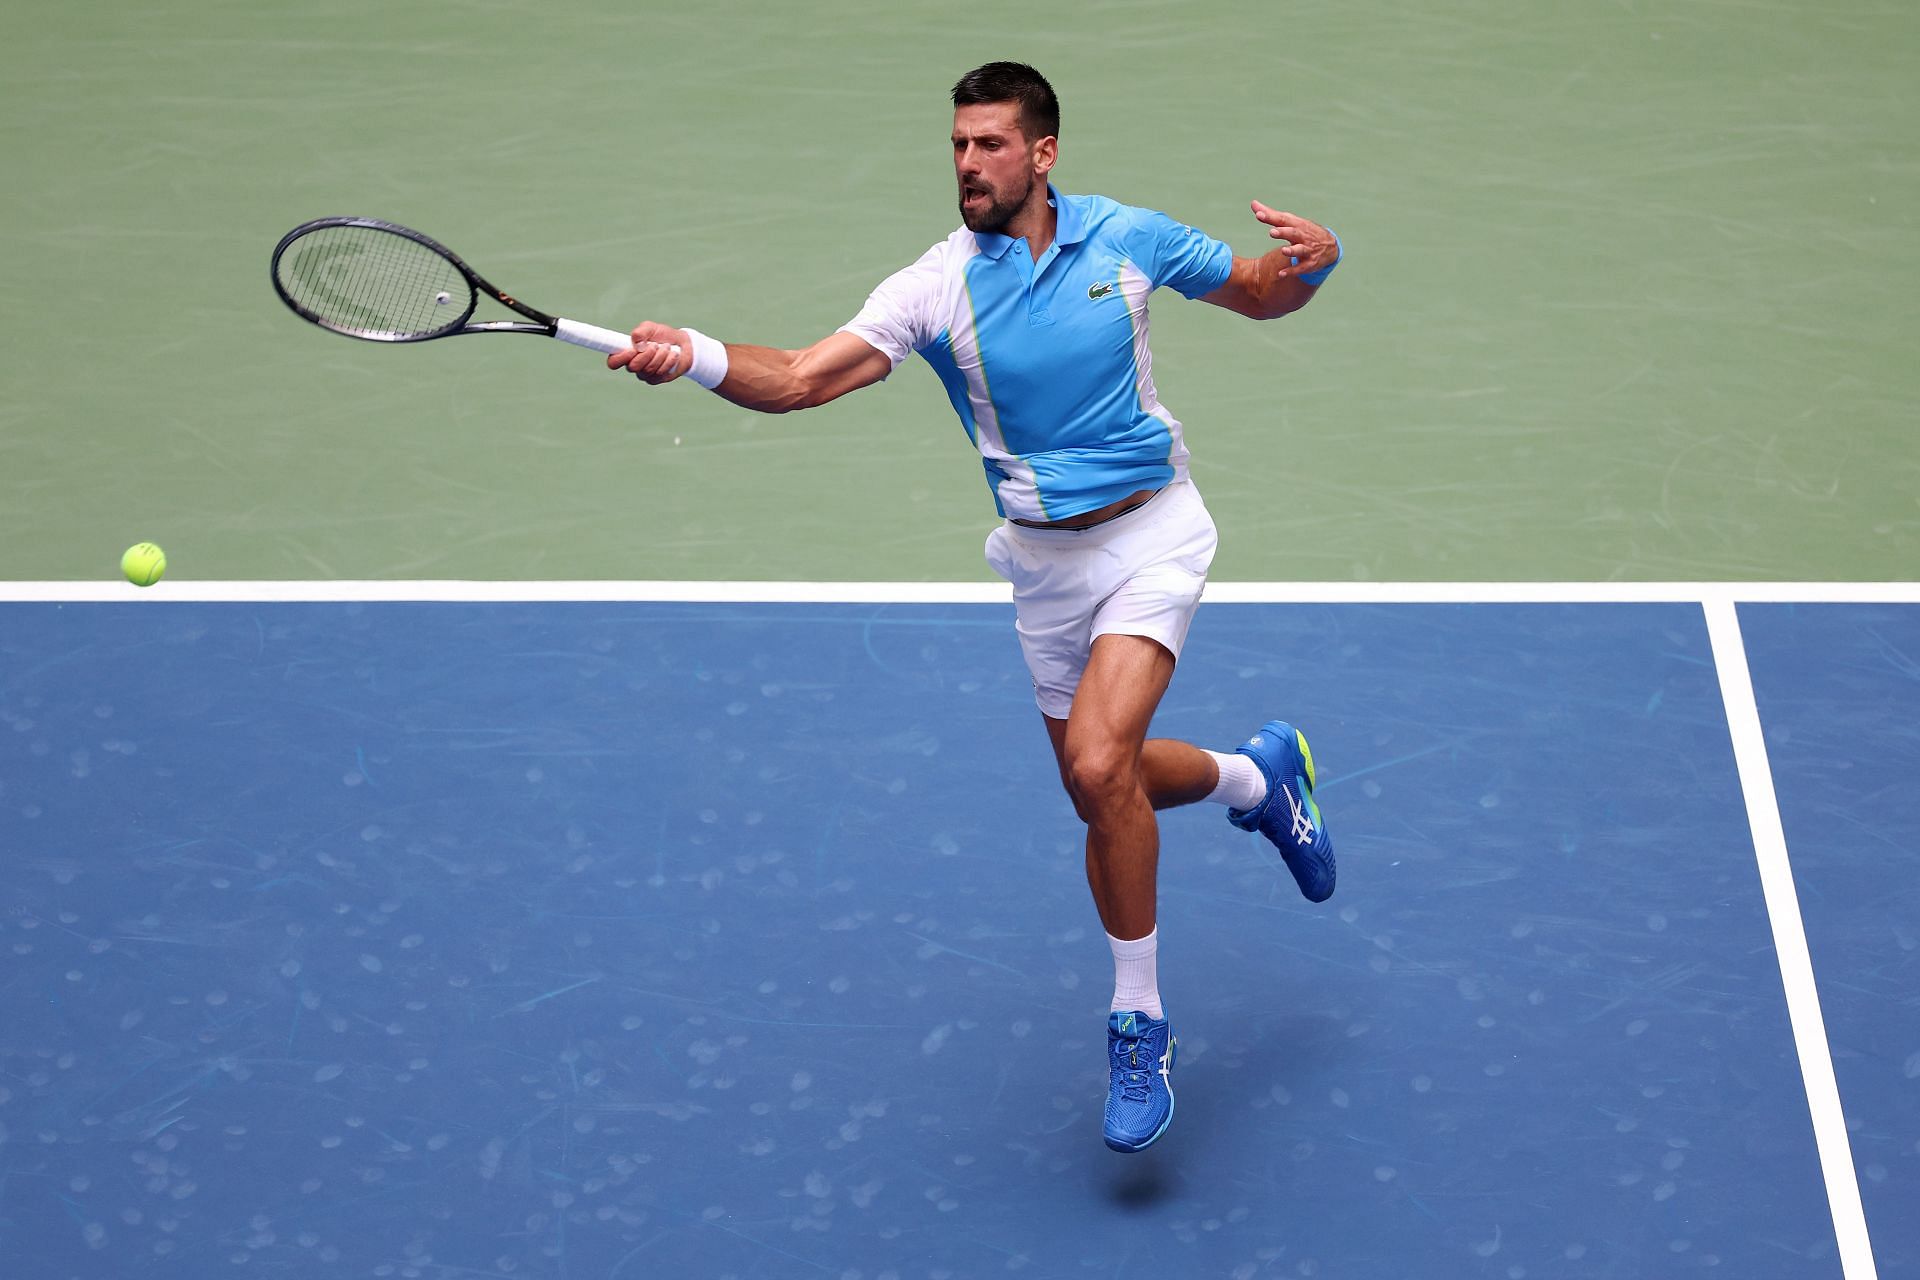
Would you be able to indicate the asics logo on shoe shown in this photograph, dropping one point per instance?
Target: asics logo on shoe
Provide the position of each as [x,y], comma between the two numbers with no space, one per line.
[1302,825]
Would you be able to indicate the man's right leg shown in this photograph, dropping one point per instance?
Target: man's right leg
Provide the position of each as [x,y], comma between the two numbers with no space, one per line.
[1098,747]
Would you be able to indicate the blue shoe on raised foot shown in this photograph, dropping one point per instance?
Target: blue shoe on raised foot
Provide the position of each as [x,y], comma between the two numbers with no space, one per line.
[1288,816]
[1140,1054]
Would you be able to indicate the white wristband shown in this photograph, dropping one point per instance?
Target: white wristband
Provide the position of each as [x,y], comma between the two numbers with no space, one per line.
[709,367]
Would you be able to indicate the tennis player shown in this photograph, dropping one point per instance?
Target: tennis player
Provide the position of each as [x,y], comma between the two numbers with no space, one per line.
[1034,316]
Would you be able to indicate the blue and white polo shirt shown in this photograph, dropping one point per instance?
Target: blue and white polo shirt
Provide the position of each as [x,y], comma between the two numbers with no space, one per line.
[1047,362]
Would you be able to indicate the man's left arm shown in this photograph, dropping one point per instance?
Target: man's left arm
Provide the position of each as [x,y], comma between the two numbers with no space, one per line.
[1285,280]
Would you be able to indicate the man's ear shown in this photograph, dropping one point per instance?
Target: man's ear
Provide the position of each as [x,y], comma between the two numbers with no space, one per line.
[1045,152]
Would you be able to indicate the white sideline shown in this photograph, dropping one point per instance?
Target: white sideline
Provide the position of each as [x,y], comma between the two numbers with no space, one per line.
[1790,942]
[252,591]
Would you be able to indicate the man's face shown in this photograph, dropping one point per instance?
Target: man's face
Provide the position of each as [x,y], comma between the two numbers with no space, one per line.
[993,162]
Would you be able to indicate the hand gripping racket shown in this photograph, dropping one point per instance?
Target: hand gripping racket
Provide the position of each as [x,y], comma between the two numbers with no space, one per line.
[387,283]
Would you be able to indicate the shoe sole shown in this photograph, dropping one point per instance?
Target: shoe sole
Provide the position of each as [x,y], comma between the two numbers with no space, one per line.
[1306,770]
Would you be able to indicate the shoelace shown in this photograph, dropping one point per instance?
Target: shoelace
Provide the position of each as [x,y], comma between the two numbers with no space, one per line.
[1133,1082]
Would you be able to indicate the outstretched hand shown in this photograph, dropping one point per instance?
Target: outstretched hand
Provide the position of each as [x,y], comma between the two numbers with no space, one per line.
[659,354]
[1310,243]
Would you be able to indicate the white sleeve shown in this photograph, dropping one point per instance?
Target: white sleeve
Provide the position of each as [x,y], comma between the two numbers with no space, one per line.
[898,317]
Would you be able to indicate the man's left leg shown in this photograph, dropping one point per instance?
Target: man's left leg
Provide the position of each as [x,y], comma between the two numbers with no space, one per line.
[1109,766]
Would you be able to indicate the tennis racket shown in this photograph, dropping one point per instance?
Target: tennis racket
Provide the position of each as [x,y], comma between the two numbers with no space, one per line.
[387,283]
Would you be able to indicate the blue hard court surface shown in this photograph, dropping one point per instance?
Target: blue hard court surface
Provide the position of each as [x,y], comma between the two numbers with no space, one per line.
[1839,694]
[672,940]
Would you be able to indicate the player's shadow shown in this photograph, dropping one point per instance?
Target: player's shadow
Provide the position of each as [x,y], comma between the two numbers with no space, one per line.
[1210,1122]
[1143,1185]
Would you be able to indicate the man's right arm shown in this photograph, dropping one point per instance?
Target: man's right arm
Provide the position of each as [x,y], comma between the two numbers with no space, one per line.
[763,378]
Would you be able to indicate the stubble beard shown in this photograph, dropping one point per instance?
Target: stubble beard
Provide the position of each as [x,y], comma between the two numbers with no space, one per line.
[998,211]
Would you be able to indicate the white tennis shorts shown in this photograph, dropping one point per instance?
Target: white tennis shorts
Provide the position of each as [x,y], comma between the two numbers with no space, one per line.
[1140,574]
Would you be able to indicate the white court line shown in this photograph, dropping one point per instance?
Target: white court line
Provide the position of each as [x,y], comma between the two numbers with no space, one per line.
[1790,941]
[251,591]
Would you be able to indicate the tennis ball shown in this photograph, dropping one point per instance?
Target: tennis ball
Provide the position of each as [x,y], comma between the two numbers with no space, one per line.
[143,564]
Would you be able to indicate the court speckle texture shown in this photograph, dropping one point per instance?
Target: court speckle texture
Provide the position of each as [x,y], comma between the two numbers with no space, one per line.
[649,939]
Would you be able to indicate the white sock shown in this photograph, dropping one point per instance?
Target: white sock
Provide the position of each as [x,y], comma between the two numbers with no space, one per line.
[1240,785]
[1136,974]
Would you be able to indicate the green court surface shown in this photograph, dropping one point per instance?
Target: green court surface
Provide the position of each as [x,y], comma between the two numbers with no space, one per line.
[1629,289]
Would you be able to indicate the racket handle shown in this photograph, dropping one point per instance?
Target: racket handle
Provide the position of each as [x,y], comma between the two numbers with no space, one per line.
[593,337]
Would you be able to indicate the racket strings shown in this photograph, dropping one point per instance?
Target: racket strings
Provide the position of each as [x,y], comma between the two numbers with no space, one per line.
[374,283]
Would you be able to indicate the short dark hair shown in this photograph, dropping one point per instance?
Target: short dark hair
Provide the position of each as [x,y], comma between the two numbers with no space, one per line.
[1013,82]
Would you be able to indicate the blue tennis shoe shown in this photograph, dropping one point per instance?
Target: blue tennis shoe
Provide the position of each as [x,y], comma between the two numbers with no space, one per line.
[1140,1053]
[1288,816]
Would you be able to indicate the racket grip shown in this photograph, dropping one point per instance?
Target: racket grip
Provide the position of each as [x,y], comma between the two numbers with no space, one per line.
[593,337]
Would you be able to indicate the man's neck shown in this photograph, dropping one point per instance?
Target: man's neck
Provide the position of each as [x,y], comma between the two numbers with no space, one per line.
[1035,223]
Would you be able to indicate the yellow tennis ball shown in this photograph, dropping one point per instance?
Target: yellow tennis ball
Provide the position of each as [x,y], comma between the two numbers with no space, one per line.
[143,564]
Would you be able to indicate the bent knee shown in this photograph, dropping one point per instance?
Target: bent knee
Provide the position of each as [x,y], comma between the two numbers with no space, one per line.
[1099,780]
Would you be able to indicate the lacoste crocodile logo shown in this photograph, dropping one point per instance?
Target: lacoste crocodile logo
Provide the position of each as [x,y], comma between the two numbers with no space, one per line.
[1099,291]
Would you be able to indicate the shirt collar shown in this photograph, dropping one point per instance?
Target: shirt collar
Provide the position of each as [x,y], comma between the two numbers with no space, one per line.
[1068,227]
